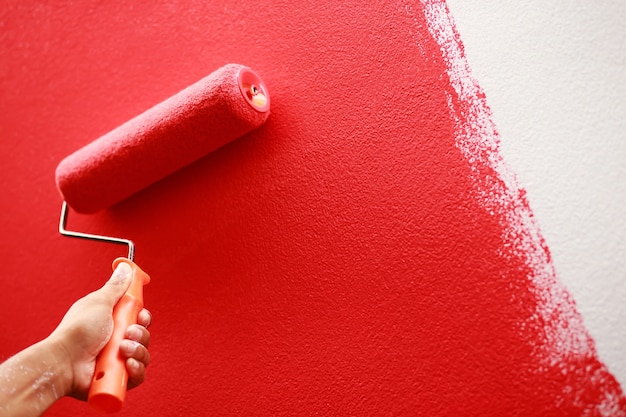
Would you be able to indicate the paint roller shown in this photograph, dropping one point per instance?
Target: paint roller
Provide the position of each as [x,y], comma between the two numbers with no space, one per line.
[203,117]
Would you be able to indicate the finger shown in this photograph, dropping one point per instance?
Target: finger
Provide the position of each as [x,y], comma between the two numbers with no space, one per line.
[144,318]
[139,334]
[134,350]
[117,285]
[136,372]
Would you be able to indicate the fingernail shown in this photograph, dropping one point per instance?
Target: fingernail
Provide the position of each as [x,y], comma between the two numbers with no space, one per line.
[122,271]
[128,346]
[133,333]
[133,363]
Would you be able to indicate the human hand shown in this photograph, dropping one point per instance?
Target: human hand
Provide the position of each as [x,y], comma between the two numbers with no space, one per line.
[87,327]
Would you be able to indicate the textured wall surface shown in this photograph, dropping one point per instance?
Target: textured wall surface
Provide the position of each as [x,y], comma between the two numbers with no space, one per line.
[367,251]
[555,77]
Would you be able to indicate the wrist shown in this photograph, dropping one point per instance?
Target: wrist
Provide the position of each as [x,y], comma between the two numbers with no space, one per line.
[60,361]
[38,375]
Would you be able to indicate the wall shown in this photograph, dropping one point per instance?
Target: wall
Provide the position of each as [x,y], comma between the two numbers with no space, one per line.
[554,75]
[367,251]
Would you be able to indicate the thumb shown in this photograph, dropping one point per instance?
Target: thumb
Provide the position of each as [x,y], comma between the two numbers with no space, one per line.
[117,285]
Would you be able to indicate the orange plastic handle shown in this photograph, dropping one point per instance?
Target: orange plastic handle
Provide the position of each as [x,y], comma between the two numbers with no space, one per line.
[108,386]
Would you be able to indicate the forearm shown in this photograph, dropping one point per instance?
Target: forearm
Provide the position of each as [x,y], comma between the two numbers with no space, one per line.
[32,380]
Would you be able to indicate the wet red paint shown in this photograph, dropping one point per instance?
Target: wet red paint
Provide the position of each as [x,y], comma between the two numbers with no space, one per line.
[341,260]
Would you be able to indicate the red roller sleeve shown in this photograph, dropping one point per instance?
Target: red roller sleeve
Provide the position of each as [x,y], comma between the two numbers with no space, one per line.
[221,107]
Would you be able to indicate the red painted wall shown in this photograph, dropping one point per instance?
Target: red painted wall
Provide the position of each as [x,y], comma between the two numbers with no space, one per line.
[345,259]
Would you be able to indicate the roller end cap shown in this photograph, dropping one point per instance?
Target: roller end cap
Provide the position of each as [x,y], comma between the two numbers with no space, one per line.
[253,90]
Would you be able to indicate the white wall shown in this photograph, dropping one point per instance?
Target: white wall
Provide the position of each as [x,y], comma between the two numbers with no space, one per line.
[555,78]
